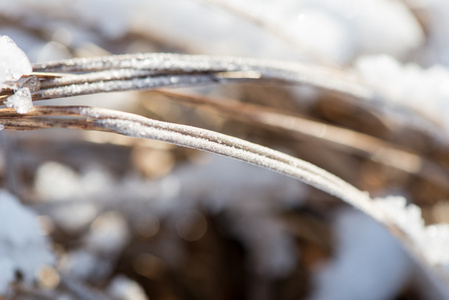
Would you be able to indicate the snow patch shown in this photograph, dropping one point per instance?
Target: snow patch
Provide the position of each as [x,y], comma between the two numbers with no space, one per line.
[424,91]
[433,240]
[369,262]
[22,246]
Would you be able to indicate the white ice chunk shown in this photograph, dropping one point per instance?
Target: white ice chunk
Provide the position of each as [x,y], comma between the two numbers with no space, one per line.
[22,246]
[13,61]
[21,101]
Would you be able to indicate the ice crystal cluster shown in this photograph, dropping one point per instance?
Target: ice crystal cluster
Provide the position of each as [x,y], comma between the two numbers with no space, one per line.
[20,101]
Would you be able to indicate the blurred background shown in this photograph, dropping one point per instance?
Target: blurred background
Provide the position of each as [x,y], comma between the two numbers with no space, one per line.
[138,219]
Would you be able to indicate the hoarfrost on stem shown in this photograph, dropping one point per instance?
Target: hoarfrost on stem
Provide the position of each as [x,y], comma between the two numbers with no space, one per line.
[23,248]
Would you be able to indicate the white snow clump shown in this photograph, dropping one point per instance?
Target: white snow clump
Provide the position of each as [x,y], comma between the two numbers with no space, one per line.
[13,61]
[14,64]
[433,240]
[23,248]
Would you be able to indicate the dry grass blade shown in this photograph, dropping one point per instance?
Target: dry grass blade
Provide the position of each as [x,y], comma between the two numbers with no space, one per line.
[345,139]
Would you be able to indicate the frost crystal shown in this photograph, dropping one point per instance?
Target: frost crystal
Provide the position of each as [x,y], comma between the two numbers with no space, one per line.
[21,101]
[22,246]
[13,62]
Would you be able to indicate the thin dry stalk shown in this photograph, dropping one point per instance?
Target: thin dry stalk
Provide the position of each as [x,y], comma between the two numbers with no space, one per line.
[337,137]
[81,76]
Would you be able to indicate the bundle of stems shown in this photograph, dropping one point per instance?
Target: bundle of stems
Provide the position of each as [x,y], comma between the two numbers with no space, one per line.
[154,71]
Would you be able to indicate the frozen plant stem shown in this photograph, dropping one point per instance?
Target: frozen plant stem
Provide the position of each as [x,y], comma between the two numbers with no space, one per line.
[187,136]
[80,76]
[152,65]
[137,126]
[148,71]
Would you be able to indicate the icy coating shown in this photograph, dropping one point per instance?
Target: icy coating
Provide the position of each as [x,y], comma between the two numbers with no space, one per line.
[193,69]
